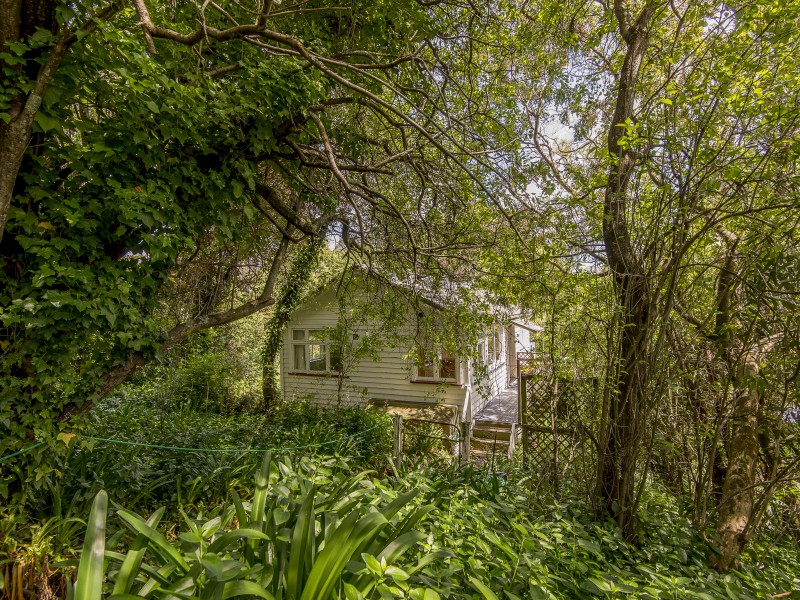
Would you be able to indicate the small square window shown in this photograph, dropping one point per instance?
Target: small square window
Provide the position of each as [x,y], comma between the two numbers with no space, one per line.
[426,368]
[447,366]
[433,366]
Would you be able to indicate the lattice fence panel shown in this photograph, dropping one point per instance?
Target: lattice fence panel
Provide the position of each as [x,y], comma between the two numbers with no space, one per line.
[532,363]
[536,393]
[553,416]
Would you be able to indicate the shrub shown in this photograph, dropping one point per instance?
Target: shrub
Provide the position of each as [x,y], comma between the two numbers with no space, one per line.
[311,531]
[454,533]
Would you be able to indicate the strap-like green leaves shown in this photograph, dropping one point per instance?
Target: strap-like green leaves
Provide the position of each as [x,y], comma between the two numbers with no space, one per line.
[90,570]
[299,540]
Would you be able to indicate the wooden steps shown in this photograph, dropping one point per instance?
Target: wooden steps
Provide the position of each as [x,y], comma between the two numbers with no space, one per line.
[490,438]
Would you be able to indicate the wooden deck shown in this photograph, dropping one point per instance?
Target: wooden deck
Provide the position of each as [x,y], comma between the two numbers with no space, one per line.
[502,408]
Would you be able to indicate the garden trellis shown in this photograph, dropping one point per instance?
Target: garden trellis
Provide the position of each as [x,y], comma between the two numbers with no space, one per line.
[553,414]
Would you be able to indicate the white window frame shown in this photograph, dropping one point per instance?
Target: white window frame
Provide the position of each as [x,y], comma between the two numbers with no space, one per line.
[437,365]
[493,354]
[306,342]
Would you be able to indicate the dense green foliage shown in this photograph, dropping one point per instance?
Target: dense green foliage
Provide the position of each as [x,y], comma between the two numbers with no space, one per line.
[507,532]
[216,372]
[142,478]
[170,179]
[624,171]
[458,534]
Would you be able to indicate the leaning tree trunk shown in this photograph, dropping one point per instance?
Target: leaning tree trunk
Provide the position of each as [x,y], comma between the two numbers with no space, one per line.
[19,20]
[747,434]
[736,498]
[627,399]
[290,295]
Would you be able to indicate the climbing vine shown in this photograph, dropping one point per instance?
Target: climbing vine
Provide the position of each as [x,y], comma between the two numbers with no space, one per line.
[291,293]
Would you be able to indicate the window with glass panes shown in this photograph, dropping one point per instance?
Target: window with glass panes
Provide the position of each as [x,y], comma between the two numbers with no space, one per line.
[497,332]
[436,366]
[313,353]
[490,352]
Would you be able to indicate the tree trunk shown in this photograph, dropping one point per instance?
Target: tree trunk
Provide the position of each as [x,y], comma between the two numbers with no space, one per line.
[19,20]
[628,395]
[16,19]
[736,497]
[748,431]
[627,408]
[117,375]
[736,505]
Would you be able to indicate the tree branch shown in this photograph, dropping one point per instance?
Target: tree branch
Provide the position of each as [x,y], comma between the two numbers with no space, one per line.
[120,373]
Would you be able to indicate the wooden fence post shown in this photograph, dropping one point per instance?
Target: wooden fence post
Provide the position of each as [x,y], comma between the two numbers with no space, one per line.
[398,439]
[522,407]
[464,446]
[554,401]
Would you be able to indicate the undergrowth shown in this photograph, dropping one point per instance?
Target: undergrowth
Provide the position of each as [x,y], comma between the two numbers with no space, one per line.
[475,534]
[521,545]
[321,529]
[49,525]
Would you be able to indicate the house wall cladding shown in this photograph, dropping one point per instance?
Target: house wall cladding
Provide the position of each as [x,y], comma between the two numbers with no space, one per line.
[386,379]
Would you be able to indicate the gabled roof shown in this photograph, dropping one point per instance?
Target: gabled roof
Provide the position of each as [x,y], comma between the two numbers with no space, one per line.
[525,324]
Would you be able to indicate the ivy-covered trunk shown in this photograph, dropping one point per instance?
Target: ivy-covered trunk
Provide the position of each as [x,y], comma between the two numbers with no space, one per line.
[627,406]
[24,77]
[290,296]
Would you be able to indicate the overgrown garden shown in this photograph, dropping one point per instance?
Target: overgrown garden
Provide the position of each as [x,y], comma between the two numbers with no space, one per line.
[176,177]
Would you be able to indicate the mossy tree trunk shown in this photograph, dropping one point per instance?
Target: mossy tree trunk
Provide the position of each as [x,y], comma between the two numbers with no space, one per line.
[736,504]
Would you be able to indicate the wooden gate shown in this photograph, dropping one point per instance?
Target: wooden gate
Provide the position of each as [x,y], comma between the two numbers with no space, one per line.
[438,438]
[552,413]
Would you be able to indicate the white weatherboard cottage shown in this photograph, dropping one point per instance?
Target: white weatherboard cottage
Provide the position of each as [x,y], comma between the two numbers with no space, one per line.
[398,370]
